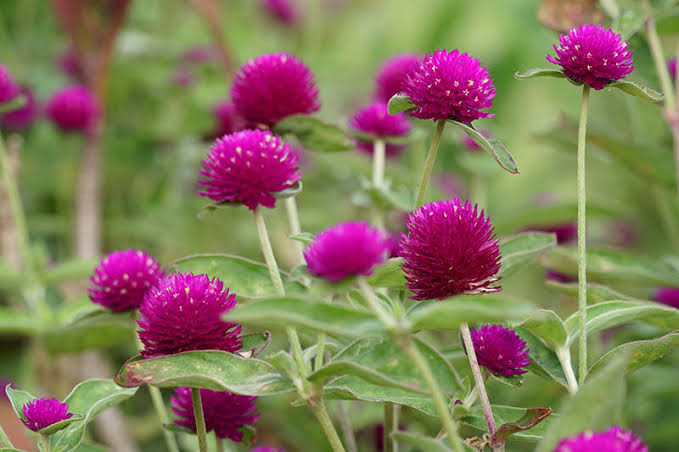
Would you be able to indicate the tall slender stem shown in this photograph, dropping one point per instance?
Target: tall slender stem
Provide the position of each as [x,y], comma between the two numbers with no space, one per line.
[390,426]
[564,355]
[478,378]
[582,246]
[320,349]
[199,416]
[374,304]
[347,427]
[379,152]
[88,198]
[321,414]
[159,406]
[219,444]
[295,228]
[429,164]
[44,443]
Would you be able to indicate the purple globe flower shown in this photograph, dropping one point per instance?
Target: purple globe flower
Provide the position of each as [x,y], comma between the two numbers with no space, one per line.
[225,412]
[594,55]
[392,74]
[184,312]
[450,85]
[375,120]
[24,117]
[284,11]
[346,249]
[672,67]
[73,109]
[122,278]
[668,296]
[41,413]
[500,350]
[272,87]
[8,88]
[450,249]
[614,439]
[226,119]
[248,167]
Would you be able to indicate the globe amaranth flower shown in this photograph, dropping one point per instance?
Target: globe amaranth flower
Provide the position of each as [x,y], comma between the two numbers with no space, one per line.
[450,85]
[73,109]
[69,62]
[614,439]
[284,11]
[500,350]
[41,413]
[346,249]
[184,312]
[375,120]
[668,296]
[122,278]
[392,74]
[249,167]
[450,249]
[225,412]
[8,88]
[21,118]
[226,119]
[594,55]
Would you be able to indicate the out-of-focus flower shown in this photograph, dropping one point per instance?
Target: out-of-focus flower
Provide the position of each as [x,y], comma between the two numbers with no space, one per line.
[668,296]
[73,109]
[470,144]
[183,76]
[376,121]
[227,120]
[8,87]
[284,11]
[614,439]
[23,117]
[41,413]
[392,74]
[565,232]
[500,350]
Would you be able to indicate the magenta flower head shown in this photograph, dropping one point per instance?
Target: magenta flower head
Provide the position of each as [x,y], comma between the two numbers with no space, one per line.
[668,296]
[614,439]
[594,55]
[122,278]
[450,249]
[272,87]
[346,249]
[500,350]
[284,11]
[225,412]
[392,74]
[184,312]
[249,167]
[450,85]
[23,117]
[8,88]
[375,120]
[267,449]
[41,413]
[73,109]
[226,119]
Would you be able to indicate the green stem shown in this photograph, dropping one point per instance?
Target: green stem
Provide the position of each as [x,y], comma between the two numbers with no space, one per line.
[200,419]
[159,406]
[660,64]
[321,414]
[44,443]
[429,164]
[478,378]
[582,246]
[390,426]
[347,427]
[564,355]
[375,305]
[295,228]
[379,151]
[219,443]
[320,349]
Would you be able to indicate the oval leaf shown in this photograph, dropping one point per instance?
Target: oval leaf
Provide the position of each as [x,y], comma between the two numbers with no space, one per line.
[638,90]
[540,72]
[314,134]
[399,103]
[519,249]
[13,323]
[640,352]
[492,146]
[531,418]
[523,423]
[548,326]
[390,274]
[544,361]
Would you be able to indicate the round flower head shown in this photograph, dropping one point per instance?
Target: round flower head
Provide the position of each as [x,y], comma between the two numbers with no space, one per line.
[70,63]
[41,413]
[74,108]
[8,88]
[668,296]
[284,11]
[450,249]
[376,120]
[225,412]
[450,85]
[122,278]
[184,312]
[248,167]
[226,119]
[346,249]
[500,350]
[23,117]
[392,74]
[614,439]
[272,87]
[594,55]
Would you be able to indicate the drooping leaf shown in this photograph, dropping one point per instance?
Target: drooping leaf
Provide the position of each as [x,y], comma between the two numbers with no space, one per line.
[513,418]
[314,134]
[544,361]
[530,419]
[490,145]
[548,326]
[540,72]
[640,353]
[519,249]
[390,274]
[399,103]
[422,442]
[638,90]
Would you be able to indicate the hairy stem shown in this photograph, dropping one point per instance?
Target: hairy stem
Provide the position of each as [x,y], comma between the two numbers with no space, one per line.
[44,443]
[429,164]
[375,305]
[564,355]
[295,228]
[582,246]
[347,427]
[321,414]
[478,378]
[161,412]
[379,151]
[391,412]
[200,419]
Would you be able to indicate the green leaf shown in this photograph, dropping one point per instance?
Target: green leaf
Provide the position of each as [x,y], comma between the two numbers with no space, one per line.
[93,329]
[390,274]
[211,369]
[305,237]
[242,276]
[422,442]
[544,361]
[254,343]
[638,90]
[386,200]
[519,249]
[490,145]
[548,326]
[289,192]
[640,353]
[70,270]
[513,418]
[314,134]
[540,72]
[282,312]
[596,293]
[19,399]
[13,323]
[531,418]
[10,279]
[399,103]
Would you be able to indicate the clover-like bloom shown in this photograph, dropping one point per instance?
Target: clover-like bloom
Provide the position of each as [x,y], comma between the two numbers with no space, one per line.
[183,76]
[226,119]
[614,439]
[41,413]
[184,312]
[225,412]
[249,167]
[122,278]
[450,249]
[375,120]
[284,11]
[450,85]
[668,296]
[346,249]
[8,88]
[594,55]
[500,350]
[73,108]
[23,117]
[272,87]
[392,74]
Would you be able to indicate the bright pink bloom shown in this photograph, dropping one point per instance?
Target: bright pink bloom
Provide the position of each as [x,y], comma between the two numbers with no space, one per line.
[375,120]
[73,109]
[41,413]
[500,350]
[392,74]
[614,439]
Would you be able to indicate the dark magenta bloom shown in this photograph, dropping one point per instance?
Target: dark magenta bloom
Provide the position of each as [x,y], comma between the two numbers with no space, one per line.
[594,55]
[184,312]
[41,413]
[557,276]
[8,88]
[73,108]
[450,249]
[284,11]
[122,278]
[668,296]
[24,117]
[500,350]
[249,167]
[450,184]
[226,119]
[272,87]
[450,85]
[392,74]
[375,120]
[225,412]
[614,439]
[346,249]
[672,67]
